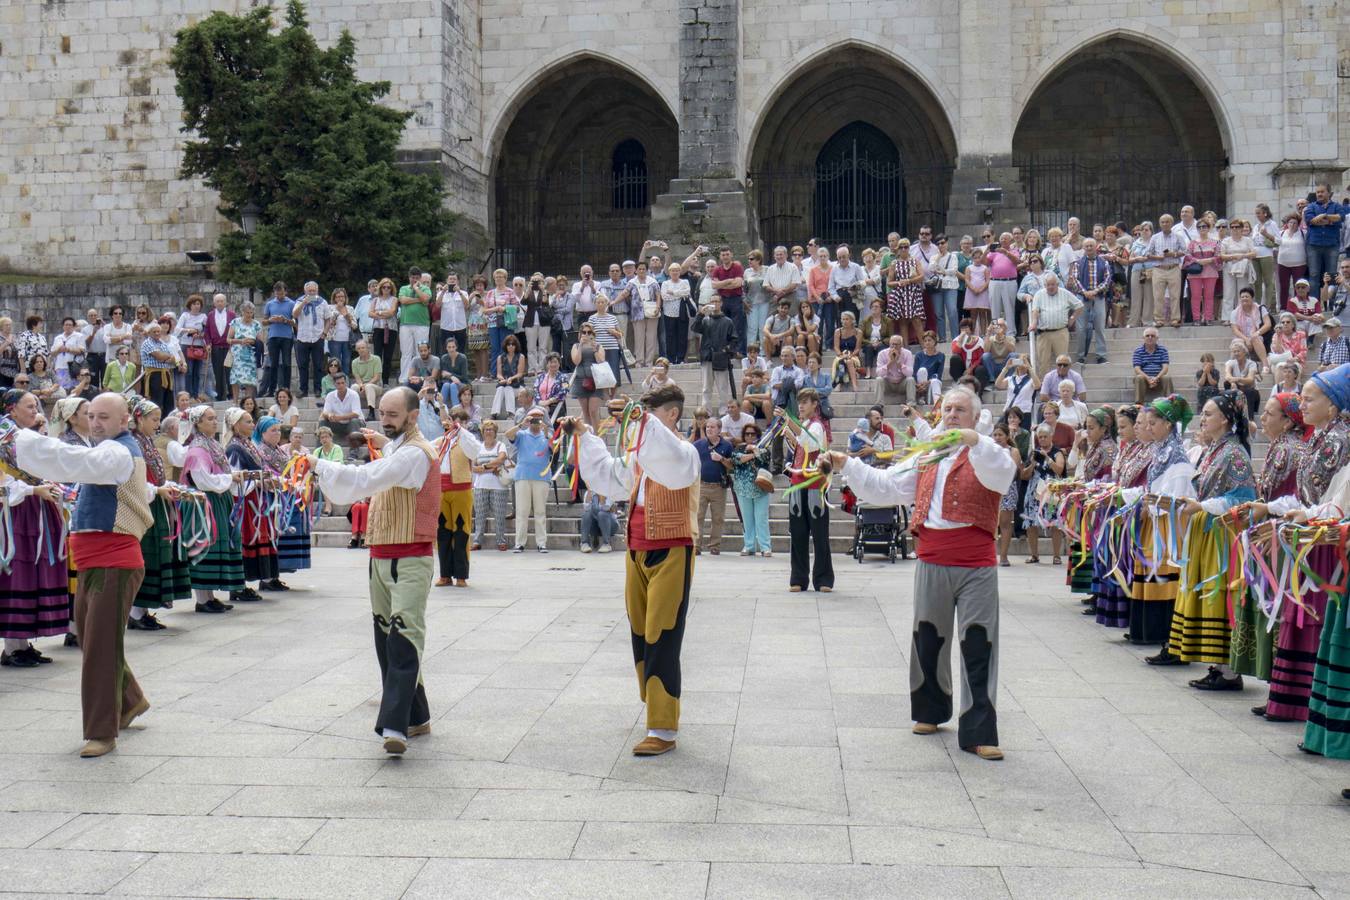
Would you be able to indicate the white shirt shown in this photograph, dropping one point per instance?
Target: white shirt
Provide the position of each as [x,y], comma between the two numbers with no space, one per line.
[749,365]
[1260,232]
[732,428]
[336,406]
[193,321]
[781,277]
[663,455]
[222,319]
[454,312]
[402,466]
[74,346]
[107,462]
[114,337]
[898,485]
[1187,234]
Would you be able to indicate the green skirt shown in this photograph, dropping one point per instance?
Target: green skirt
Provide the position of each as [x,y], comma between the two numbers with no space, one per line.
[1328,728]
[1253,646]
[166,571]
[222,567]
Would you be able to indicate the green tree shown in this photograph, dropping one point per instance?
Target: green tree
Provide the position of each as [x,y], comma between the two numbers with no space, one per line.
[288,126]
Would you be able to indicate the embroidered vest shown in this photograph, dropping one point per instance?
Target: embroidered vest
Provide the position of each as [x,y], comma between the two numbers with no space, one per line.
[407,515]
[461,475]
[117,508]
[668,515]
[964,499]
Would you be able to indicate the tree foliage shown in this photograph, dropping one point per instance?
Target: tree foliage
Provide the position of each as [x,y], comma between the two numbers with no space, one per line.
[282,123]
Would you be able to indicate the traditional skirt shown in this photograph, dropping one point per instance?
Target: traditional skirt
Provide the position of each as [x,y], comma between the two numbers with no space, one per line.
[1253,648]
[35,594]
[166,569]
[1080,570]
[1199,630]
[1328,728]
[293,544]
[1152,593]
[222,567]
[260,555]
[1112,600]
[1291,672]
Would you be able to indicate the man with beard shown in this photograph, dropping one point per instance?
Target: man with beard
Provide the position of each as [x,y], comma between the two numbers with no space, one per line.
[405,490]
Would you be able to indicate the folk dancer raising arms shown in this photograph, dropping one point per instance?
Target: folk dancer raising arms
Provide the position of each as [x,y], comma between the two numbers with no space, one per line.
[659,478]
[404,487]
[457,449]
[956,502]
[111,514]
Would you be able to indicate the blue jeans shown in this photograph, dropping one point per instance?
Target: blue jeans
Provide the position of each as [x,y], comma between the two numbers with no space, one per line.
[755,513]
[829,318]
[947,322]
[734,307]
[754,327]
[194,376]
[497,336]
[450,394]
[597,526]
[342,352]
[1094,323]
[279,363]
[1320,259]
[309,360]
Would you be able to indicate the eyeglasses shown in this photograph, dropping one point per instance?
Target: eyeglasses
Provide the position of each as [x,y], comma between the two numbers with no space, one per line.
[1062,365]
[22,383]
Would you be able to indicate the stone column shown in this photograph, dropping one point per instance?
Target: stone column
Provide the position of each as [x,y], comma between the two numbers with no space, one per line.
[709,51]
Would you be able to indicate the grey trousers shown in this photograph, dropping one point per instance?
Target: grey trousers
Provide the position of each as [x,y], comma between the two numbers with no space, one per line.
[971,595]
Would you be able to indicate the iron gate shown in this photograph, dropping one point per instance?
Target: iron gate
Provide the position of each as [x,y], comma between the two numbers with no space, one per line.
[853,200]
[575,214]
[1123,187]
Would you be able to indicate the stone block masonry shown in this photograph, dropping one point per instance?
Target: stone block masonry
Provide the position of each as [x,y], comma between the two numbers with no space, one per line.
[55,300]
[709,51]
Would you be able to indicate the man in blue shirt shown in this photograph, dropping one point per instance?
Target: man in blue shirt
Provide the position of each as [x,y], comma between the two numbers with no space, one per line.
[1151,365]
[279,317]
[714,461]
[1323,218]
[533,473]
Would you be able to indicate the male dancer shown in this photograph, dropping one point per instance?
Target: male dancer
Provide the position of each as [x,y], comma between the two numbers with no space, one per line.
[808,516]
[659,480]
[458,448]
[404,485]
[955,511]
[111,515]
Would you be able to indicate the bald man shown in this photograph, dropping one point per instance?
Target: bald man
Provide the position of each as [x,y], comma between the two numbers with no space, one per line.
[111,515]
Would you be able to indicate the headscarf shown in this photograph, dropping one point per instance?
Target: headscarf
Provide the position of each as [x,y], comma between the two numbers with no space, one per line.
[1106,419]
[1291,405]
[261,428]
[1174,409]
[1336,385]
[206,442]
[232,417]
[154,462]
[194,415]
[1233,406]
[10,400]
[141,407]
[62,413]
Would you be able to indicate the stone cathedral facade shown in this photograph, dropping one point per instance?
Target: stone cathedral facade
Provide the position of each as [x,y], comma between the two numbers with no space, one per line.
[571,131]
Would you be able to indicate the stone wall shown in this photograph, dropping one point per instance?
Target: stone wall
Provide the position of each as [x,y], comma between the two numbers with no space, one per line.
[709,50]
[55,300]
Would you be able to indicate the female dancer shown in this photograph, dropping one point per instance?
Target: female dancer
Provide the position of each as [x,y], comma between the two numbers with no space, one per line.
[1111,598]
[293,540]
[1096,448]
[166,567]
[256,530]
[207,469]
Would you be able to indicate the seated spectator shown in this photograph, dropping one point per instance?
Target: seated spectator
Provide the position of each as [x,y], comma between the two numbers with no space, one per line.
[967,351]
[928,364]
[1207,379]
[1240,374]
[1017,379]
[510,376]
[550,388]
[1061,435]
[871,441]
[998,347]
[366,377]
[735,421]
[1151,366]
[326,384]
[524,404]
[1288,342]
[1072,412]
[698,427]
[778,331]
[453,372]
[875,335]
[1307,308]
[806,333]
[823,386]
[1063,371]
[341,408]
[715,460]
[472,409]
[785,380]
[885,427]
[758,401]
[750,362]
[895,373]
[1250,324]
[659,375]
[1287,378]
[846,358]
[423,369]
[598,523]
[1335,349]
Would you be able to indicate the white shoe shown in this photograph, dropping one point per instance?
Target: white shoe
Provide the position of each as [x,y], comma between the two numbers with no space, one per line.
[586,548]
[519,549]
[606,548]
[747,553]
[543,549]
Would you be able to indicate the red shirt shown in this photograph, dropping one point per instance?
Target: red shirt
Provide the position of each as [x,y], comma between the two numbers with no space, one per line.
[965,548]
[105,550]
[735,270]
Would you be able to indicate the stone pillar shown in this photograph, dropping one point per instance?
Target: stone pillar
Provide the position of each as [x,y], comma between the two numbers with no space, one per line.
[988,119]
[709,51]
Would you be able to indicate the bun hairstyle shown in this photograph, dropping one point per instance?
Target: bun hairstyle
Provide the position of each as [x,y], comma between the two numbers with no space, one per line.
[1233,407]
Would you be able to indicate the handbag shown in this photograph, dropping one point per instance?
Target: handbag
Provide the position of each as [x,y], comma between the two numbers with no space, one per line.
[195,351]
[1194,268]
[543,316]
[603,376]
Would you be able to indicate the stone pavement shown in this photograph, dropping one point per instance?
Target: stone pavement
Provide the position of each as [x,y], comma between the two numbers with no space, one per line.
[256,774]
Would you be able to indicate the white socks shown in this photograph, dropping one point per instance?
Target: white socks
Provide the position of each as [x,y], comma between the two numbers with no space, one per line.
[14,645]
[664,734]
[391,733]
[138,612]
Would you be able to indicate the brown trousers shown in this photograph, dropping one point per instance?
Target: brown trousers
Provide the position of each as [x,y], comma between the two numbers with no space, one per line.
[102,602]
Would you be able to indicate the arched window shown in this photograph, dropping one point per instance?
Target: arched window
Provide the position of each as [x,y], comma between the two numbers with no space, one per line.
[860,190]
[629,169]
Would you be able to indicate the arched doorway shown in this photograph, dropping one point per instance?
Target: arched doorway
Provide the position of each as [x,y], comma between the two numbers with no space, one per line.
[1120,131]
[850,166]
[578,167]
[860,186]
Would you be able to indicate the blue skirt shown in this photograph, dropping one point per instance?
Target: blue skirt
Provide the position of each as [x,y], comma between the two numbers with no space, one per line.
[293,544]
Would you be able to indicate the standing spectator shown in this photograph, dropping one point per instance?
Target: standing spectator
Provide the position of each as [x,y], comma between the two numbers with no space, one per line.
[847,280]
[1053,312]
[454,313]
[118,333]
[1032,281]
[1323,218]
[895,373]
[609,334]
[218,339]
[1151,365]
[675,305]
[1166,250]
[1291,260]
[279,317]
[715,459]
[363,307]
[1236,252]
[947,268]
[1336,290]
[644,314]
[584,293]
[1141,277]
[243,338]
[1003,261]
[1092,280]
[1265,240]
[1240,374]
[1202,252]
[818,287]
[343,330]
[537,309]
[67,354]
[311,315]
[158,361]
[1250,324]
[563,327]
[1018,383]
[904,303]
[781,280]
[490,495]
[532,476]
[728,279]
[748,460]
[1207,379]
[31,342]
[718,333]
[385,334]
[9,353]
[414,320]
[598,523]
[341,408]
[96,350]
[1335,350]
[191,334]
[615,291]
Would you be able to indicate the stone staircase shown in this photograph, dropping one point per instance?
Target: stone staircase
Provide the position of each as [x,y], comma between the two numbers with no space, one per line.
[1110,383]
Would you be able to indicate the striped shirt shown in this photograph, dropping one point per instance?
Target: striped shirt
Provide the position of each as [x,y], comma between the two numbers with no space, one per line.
[1334,352]
[602,323]
[1053,310]
[1150,362]
[150,345]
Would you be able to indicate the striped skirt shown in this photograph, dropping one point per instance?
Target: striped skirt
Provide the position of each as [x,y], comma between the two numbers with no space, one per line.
[1291,672]
[1112,601]
[1328,728]
[166,571]
[222,567]
[1080,570]
[1152,594]
[1199,631]
[260,555]
[293,545]
[35,594]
